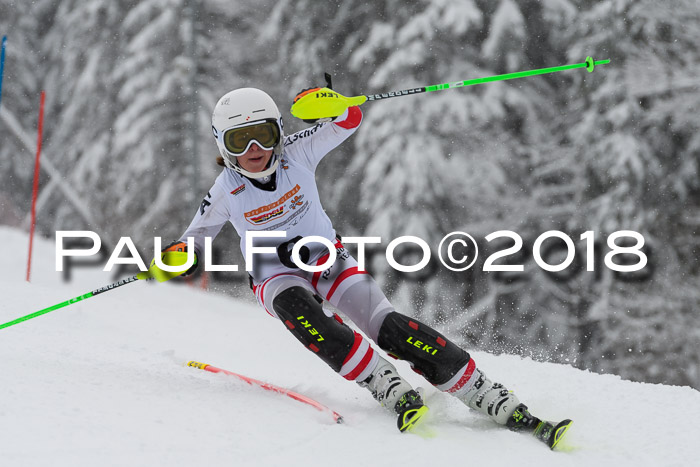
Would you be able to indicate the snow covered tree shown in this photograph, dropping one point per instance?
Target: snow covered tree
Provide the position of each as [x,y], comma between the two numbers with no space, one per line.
[21,87]
[81,107]
[638,142]
[452,160]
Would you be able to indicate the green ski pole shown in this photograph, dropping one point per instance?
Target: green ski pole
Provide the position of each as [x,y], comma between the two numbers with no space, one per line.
[589,65]
[106,288]
[306,105]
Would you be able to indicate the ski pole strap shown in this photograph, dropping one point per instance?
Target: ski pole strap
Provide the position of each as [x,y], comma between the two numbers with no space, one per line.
[70,302]
[589,65]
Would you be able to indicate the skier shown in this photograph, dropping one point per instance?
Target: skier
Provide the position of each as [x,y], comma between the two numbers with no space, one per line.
[268,184]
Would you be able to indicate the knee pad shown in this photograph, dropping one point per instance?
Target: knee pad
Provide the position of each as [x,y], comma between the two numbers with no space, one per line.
[301,311]
[428,352]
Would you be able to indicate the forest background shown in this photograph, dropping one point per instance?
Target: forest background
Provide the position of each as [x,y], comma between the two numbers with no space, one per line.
[130,86]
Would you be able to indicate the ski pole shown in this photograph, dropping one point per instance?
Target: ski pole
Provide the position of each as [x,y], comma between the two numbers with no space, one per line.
[589,64]
[335,104]
[270,387]
[106,288]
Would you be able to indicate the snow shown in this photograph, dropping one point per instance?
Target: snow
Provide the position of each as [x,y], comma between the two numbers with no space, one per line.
[103,382]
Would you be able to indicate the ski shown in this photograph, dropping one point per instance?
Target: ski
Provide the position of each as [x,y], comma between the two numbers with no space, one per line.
[550,434]
[410,410]
[409,419]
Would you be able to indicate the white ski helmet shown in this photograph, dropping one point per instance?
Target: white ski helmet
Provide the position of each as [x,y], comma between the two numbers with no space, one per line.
[244,116]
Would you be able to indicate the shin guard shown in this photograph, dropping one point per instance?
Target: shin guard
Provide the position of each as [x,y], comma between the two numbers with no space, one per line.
[344,350]
[429,352]
[446,366]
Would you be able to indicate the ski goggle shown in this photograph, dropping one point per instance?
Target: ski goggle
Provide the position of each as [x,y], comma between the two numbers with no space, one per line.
[237,140]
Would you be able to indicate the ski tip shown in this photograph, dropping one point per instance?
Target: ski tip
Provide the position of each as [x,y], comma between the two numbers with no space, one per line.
[559,432]
[411,418]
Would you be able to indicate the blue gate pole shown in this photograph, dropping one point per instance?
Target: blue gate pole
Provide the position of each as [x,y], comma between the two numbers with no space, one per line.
[2,62]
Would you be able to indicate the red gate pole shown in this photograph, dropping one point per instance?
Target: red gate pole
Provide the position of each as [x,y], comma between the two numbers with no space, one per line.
[270,387]
[35,189]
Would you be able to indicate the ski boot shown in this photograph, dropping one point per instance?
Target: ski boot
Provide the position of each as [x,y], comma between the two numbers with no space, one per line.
[393,393]
[503,407]
[522,420]
[489,398]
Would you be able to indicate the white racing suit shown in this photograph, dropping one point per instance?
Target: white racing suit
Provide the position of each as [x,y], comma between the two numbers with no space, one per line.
[295,208]
[291,204]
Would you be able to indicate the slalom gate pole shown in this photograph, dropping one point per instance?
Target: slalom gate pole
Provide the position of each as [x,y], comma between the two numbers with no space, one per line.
[35,187]
[589,65]
[2,62]
[271,387]
[106,288]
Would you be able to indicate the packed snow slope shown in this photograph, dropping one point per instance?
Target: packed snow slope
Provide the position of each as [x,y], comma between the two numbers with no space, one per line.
[102,383]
